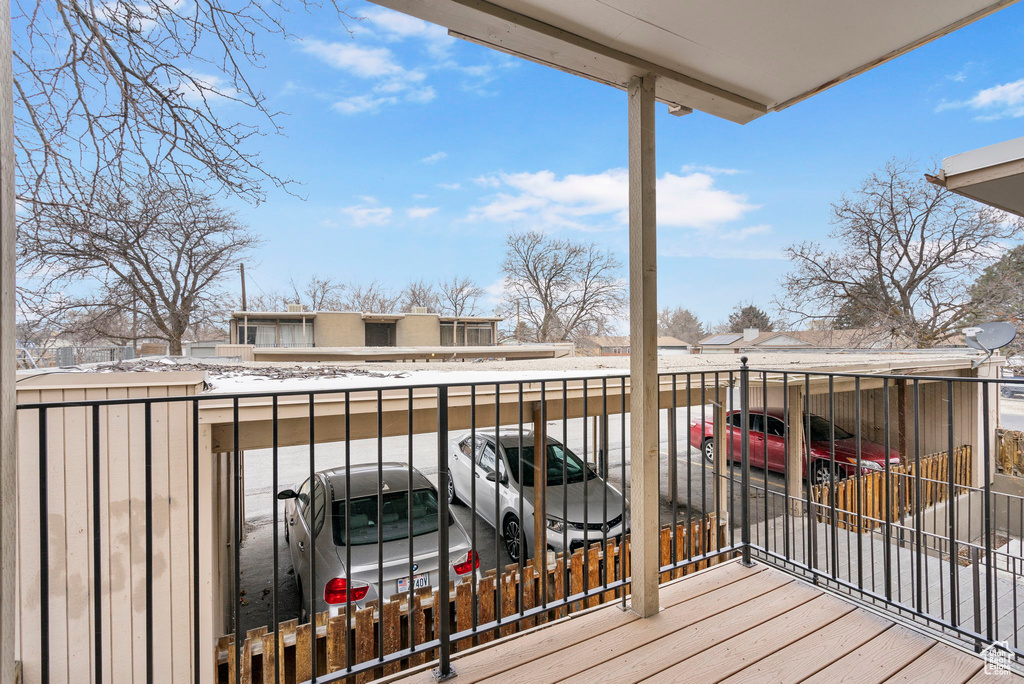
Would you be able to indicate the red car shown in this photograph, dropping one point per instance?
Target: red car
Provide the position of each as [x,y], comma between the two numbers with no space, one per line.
[771,443]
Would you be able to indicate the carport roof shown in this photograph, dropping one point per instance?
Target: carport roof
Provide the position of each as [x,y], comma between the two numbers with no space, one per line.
[737,60]
[993,175]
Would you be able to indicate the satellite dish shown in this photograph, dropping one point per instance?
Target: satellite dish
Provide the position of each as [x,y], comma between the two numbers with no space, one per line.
[990,336]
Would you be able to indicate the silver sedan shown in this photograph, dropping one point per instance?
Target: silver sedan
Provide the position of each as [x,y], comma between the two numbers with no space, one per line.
[370,522]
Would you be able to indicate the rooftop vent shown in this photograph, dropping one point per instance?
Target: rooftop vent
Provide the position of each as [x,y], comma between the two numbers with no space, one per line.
[419,309]
[296,308]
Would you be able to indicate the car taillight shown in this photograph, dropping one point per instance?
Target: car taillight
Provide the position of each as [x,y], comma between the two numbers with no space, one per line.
[467,563]
[336,591]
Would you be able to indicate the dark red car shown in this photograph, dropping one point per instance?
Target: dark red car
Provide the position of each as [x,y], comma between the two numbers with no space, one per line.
[771,443]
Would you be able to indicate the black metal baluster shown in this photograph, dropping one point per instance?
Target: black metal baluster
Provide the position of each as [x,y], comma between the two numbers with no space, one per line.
[497,506]
[745,456]
[887,547]
[475,453]
[44,553]
[276,485]
[444,670]
[602,457]
[350,652]
[409,515]
[443,570]
[812,507]
[311,506]
[196,653]
[673,470]
[860,486]
[987,510]
[918,519]
[236,542]
[954,552]
[833,476]
[97,549]
[785,464]
[622,467]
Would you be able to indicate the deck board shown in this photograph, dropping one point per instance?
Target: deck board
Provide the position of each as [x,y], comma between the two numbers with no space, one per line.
[728,623]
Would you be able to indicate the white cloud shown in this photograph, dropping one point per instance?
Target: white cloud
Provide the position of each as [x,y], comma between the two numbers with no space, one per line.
[369,213]
[434,158]
[420,212]
[713,170]
[998,102]
[357,104]
[398,26]
[359,60]
[420,195]
[601,201]
[450,186]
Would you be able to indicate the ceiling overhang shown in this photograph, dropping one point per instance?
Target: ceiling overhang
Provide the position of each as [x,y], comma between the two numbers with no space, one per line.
[736,60]
[993,175]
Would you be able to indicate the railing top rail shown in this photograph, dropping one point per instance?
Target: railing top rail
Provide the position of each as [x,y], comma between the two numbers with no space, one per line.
[888,376]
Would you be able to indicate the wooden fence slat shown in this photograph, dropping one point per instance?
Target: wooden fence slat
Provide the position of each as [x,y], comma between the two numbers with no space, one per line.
[268,661]
[508,602]
[463,613]
[302,651]
[365,642]
[485,598]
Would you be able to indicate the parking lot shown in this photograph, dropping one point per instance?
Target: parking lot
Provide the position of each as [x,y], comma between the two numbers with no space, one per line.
[695,494]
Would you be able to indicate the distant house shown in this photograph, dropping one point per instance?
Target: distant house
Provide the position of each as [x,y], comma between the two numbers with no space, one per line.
[300,328]
[619,346]
[752,339]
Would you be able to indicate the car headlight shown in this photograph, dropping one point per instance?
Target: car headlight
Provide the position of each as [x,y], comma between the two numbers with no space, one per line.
[556,524]
[870,465]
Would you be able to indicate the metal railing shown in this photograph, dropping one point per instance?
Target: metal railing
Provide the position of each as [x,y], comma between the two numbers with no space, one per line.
[528,518]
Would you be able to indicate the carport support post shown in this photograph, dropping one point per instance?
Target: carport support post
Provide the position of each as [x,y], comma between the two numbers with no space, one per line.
[643,360]
[540,469]
[795,454]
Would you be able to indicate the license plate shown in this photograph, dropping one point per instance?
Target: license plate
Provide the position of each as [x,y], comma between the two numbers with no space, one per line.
[418,582]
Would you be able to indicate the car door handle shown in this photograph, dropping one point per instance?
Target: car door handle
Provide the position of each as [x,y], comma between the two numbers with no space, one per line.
[302,546]
[478,474]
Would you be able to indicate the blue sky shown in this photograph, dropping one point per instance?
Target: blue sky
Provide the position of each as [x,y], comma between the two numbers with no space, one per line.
[419,153]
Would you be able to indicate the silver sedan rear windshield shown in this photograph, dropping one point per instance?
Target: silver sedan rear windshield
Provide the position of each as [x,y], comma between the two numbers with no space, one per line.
[364,527]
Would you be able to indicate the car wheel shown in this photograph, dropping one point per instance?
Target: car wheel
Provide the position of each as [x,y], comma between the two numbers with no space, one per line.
[511,530]
[823,473]
[452,496]
[708,449]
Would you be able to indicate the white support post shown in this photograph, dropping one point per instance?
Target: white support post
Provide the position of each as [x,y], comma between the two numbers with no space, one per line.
[8,437]
[643,359]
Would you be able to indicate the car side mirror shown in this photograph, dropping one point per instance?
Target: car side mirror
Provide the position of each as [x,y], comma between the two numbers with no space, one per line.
[493,477]
[287,494]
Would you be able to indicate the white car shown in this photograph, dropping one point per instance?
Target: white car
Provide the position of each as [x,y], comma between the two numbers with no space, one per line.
[585,494]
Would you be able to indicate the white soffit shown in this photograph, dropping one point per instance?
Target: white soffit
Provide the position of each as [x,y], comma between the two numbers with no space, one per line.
[993,175]
[736,59]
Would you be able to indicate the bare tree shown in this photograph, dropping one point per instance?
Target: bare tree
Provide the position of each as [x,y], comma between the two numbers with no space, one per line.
[680,323]
[563,289]
[135,90]
[157,252]
[459,297]
[319,293]
[371,297]
[908,252]
[420,293]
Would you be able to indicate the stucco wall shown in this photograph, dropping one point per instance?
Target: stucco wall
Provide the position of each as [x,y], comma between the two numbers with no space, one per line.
[338,329]
[419,330]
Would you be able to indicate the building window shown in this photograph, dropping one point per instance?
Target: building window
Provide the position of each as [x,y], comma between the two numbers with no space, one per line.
[265,333]
[468,334]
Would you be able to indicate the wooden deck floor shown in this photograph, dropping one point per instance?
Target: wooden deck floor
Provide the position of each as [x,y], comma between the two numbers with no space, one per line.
[726,624]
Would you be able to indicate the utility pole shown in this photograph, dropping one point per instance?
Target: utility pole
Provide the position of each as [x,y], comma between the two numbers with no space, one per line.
[245,325]
[241,271]
[518,340]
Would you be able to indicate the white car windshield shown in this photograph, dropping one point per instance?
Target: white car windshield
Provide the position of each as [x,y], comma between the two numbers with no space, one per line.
[575,469]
